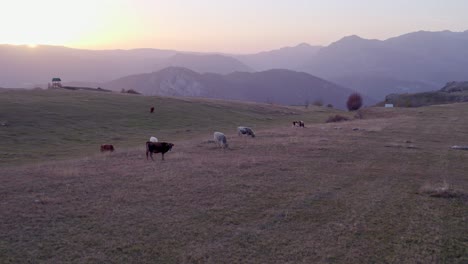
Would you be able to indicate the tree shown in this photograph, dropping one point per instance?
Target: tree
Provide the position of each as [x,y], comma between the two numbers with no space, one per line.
[354,102]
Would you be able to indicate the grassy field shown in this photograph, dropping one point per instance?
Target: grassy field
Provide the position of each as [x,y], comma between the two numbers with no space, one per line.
[51,125]
[384,189]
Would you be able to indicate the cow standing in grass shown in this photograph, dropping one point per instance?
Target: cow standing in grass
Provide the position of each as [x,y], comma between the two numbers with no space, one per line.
[107,147]
[298,123]
[157,147]
[245,131]
[220,139]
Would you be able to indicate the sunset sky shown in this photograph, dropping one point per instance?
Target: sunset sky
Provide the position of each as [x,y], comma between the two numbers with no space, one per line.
[239,26]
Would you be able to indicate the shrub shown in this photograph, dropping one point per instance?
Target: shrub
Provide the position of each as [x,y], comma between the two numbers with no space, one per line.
[337,118]
[131,91]
[329,105]
[318,103]
[354,102]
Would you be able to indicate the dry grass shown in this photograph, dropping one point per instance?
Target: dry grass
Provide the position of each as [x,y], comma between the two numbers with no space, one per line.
[313,195]
[43,122]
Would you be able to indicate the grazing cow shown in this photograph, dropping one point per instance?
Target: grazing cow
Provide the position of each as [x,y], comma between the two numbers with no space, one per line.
[245,131]
[152,110]
[298,123]
[157,147]
[153,139]
[220,139]
[107,148]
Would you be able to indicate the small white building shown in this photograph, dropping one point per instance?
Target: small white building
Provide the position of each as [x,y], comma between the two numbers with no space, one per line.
[56,82]
[389,106]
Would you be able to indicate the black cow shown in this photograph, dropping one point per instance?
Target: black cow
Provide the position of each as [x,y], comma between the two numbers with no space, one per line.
[107,148]
[157,147]
[298,123]
[245,131]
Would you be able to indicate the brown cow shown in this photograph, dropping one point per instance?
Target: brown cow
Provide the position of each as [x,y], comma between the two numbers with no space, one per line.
[107,148]
[157,147]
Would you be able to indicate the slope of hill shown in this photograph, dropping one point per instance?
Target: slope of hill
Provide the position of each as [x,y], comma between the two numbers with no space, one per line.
[391,192]
[291,58]
[375,86]
[204,63]
[453,92]
[415,61]
[58,124]
[273,86]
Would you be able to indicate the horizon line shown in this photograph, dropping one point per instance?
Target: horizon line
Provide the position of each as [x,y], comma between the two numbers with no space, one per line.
[36,45]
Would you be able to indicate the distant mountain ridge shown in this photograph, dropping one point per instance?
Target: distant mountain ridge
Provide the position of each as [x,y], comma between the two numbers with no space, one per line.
[291,58]
[22,66]
[414,62]
[204,63]
[273,86]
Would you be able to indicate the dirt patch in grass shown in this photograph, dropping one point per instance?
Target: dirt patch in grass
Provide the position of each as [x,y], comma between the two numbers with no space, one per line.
[443,191]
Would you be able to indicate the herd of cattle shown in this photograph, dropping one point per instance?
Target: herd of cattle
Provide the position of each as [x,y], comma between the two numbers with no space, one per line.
[154,146]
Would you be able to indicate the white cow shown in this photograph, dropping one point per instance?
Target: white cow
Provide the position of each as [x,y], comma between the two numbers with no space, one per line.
[220,139]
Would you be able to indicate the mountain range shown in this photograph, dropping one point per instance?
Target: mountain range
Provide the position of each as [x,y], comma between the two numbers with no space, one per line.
[414,62]
[22,66]
[291,58]
[272,86]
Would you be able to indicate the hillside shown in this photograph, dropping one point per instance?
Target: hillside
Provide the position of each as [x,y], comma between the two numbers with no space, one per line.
[390,192]
[273,86]
[453,92]
[43,125]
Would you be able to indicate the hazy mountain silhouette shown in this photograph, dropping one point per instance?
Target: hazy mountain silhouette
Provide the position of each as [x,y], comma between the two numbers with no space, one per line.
[284,58]
[273,86]
[204,63]
[413,62]
[22,66]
